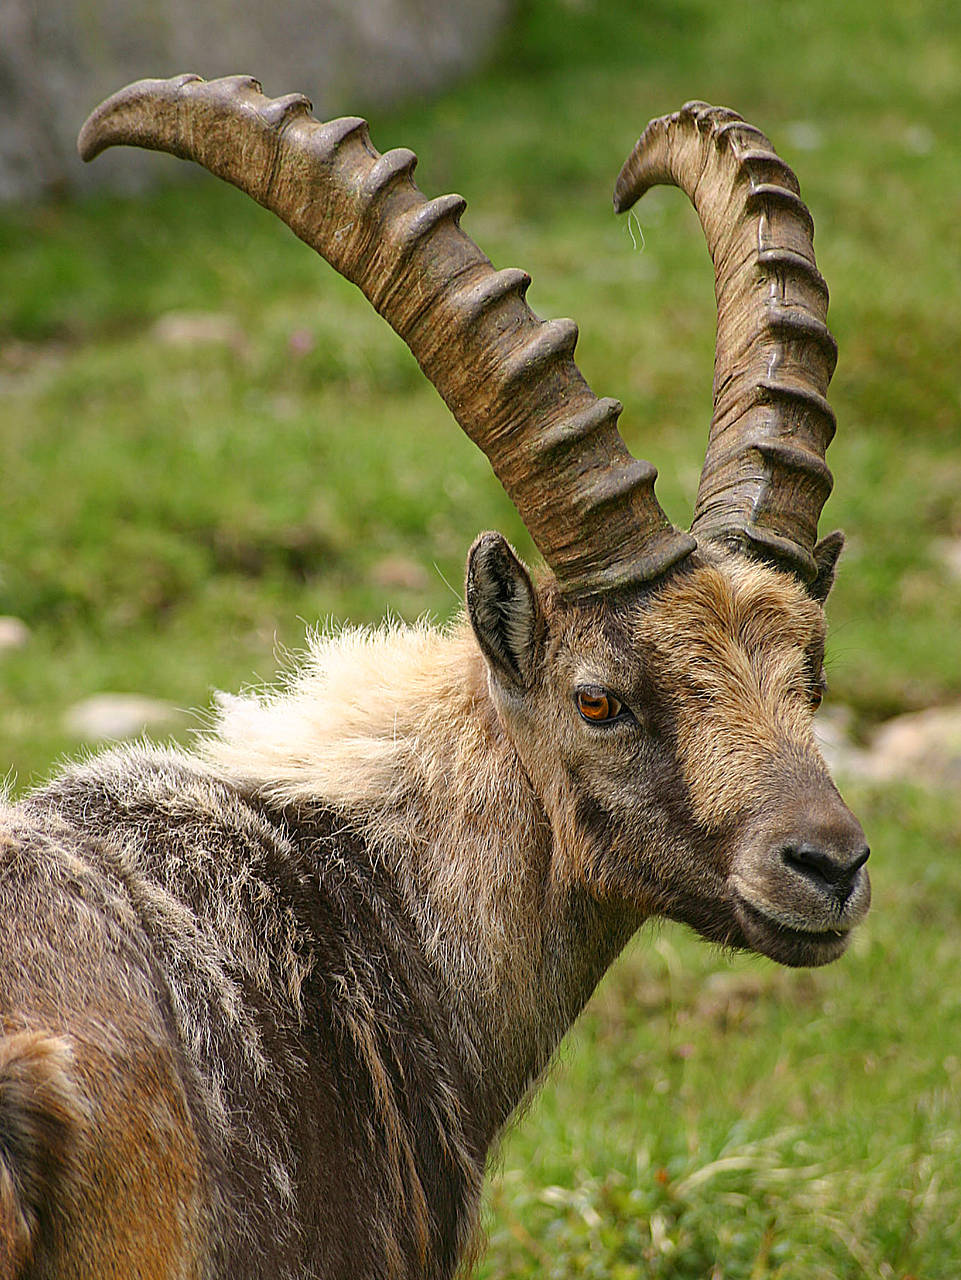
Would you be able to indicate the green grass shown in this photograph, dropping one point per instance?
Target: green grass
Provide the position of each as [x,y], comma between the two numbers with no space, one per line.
[173,513]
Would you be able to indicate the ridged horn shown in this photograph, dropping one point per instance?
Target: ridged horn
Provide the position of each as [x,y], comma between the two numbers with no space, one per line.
[764,479]
[508,377]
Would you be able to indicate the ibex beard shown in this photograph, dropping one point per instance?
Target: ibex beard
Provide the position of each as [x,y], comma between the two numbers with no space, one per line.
[268,1003]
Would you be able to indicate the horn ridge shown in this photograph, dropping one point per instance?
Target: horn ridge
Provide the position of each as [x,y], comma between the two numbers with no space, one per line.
[774,354]
[508,377]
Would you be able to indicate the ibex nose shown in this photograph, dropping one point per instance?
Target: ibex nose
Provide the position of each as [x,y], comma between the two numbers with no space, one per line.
[831,870]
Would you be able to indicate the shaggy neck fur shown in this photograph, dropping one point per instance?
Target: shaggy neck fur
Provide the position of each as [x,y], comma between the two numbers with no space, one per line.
[396,729]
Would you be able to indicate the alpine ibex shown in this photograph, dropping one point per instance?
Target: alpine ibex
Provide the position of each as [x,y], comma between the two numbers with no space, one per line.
[268,1003]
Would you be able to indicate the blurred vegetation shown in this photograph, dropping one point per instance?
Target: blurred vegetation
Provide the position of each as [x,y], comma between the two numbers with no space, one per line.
[180,494]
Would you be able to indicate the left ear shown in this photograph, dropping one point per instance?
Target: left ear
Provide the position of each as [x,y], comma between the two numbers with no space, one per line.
[504,611]
[826,555]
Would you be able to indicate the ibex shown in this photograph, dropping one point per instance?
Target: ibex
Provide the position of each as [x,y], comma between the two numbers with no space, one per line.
[267,1003]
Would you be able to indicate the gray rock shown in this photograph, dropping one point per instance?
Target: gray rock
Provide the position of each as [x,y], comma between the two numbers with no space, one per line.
[58,60]
[924,746]
[120,715]
[198,329]
[14,634]
[948,551]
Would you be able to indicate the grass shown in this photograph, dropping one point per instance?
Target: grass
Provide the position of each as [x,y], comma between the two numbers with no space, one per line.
[175,509]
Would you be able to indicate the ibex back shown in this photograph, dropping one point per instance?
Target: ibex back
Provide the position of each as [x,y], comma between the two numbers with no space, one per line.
[268,1003]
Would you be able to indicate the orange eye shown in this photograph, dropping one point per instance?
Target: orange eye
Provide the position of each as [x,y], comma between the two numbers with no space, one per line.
[597,706]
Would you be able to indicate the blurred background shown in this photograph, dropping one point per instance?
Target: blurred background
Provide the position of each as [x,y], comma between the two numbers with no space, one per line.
[53,57]
[210,443]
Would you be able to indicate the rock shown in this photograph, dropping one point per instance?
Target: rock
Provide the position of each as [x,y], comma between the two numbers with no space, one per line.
[948,551]
[921,747]
[198,328]
[120,715]
[804,135]
[924,746]
[57,61]
[919,140]
[14,634]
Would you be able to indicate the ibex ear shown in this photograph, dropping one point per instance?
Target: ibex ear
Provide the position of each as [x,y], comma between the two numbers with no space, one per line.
[826,555]
[503,610]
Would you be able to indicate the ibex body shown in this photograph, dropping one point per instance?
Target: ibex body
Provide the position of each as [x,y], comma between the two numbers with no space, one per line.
[267,1004]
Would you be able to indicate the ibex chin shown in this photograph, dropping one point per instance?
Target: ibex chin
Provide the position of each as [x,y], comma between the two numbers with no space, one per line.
[267,1003]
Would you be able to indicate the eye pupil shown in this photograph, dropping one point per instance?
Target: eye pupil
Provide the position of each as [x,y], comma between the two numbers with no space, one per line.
[598,706]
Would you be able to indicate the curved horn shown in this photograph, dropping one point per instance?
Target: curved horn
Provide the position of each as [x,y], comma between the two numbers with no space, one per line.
[764,479]
[508,377]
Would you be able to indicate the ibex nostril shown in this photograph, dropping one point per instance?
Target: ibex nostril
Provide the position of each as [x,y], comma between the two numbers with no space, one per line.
[834,869]
[859,860]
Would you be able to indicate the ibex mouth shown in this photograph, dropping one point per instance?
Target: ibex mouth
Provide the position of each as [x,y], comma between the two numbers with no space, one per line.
[798,948]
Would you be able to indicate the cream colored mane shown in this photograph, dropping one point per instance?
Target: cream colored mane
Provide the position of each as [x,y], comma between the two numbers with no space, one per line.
[348,727]
[394,728]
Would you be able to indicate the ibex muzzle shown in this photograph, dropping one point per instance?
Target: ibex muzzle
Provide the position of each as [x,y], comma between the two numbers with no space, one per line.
[800,883]
[266,1004]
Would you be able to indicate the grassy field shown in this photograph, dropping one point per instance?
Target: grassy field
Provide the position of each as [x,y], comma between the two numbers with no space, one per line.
[180,495]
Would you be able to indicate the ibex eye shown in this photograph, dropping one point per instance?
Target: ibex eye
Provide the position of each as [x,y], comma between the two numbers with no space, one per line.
[816,695]
[597,705]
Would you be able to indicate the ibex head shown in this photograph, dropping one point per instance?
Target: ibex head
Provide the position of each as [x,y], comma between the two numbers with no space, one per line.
[659,686]
[669,733]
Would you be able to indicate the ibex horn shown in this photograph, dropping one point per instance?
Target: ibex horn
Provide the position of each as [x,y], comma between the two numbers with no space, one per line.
[508,377]
[764,479]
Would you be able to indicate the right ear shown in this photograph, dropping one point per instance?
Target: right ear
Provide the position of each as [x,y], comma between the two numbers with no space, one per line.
[503,609]
[826,556]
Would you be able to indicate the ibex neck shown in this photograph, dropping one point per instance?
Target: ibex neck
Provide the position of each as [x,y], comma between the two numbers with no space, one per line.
[517,949]
[397,730]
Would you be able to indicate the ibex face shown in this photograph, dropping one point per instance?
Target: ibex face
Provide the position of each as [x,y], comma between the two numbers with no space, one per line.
[669,736]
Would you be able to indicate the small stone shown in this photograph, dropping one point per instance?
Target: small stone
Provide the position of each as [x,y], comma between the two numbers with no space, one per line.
[919,140]
[949,553]
[198,328]
[924,746]
[805,135]
[14,634]
[119,715]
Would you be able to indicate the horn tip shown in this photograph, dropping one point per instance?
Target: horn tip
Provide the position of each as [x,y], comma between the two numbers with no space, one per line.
[99,130]
[623,198]
[632,180]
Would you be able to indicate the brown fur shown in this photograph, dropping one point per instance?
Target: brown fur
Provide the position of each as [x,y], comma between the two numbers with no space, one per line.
[270,1002]
[295,984]
[736,668]
[40,1115]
